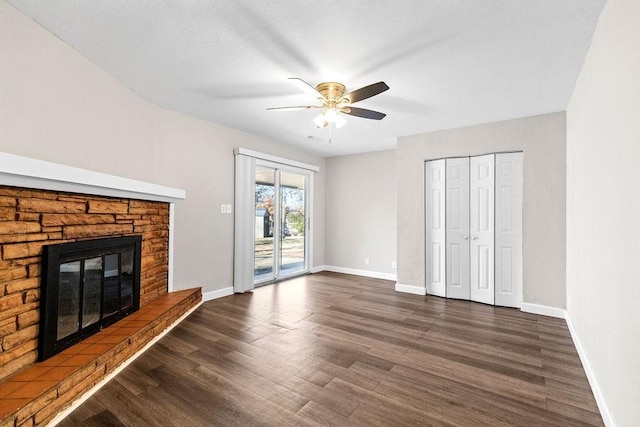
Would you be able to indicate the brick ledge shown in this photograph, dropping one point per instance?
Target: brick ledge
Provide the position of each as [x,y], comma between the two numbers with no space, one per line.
[36,394]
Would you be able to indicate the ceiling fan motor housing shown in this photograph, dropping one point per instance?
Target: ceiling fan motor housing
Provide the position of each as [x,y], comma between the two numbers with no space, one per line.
[332,92]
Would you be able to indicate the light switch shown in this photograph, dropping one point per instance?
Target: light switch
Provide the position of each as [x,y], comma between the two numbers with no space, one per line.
[229,208]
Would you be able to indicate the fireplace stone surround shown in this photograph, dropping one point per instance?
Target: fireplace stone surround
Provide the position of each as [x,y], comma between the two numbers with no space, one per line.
[30,219]
[43,203]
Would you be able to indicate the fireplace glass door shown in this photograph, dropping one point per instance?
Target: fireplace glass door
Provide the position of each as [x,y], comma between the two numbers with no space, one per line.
[88,285]
[78,279]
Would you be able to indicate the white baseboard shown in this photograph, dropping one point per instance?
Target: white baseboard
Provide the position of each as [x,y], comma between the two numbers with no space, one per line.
[365,273]
[411,289]
[595,388]
[63,414]
[543,310]
[218,293]
[318,268]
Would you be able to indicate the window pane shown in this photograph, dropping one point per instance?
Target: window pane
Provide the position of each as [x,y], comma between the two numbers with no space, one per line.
[91,296]
[111,285]
[68,299]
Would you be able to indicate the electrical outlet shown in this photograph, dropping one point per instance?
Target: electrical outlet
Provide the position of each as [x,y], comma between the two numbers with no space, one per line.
[366,261]
[228,207]
[223,208]
[394,265]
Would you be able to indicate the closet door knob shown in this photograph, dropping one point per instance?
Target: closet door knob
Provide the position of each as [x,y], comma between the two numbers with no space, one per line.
[474,238]
[466,237]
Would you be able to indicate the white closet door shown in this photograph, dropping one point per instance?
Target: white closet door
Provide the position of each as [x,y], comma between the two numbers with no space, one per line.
[435,227]
[457,223]
[482,228]
[508,235]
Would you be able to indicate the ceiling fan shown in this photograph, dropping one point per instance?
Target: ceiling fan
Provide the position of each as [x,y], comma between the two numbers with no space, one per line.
[334,101]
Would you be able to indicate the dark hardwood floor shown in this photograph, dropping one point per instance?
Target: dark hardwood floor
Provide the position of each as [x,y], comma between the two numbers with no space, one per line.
[333,349]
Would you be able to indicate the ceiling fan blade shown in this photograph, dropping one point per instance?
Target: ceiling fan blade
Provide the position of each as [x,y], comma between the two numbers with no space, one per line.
[366,92]
[297,107]
[306,87]
[363,112]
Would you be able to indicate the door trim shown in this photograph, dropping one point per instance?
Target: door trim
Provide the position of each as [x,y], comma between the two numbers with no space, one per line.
[274,159]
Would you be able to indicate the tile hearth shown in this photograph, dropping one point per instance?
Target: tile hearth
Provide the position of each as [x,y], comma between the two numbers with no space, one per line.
[36,394]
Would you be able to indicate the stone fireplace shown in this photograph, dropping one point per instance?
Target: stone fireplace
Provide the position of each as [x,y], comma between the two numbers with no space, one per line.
[46,209]
[33,219]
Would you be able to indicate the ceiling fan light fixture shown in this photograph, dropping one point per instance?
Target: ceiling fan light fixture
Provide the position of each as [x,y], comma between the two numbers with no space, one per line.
[320,121]
[335,103]
[340,121]
[329,116]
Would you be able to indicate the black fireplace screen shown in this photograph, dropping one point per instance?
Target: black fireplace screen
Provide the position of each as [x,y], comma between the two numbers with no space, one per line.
[87,286]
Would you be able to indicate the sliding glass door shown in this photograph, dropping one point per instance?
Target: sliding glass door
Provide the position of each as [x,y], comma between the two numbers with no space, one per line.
[292,223]
[280,238]
[264,244]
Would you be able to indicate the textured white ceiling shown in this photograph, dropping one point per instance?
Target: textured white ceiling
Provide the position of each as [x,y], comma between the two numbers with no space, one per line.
[449,63]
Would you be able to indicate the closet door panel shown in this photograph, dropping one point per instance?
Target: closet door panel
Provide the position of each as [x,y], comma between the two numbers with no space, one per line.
[508,234]
[435,223]
[481,224]
[457,225]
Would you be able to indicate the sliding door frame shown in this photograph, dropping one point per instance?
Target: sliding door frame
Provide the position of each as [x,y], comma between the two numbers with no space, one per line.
[277,220]
[244,239]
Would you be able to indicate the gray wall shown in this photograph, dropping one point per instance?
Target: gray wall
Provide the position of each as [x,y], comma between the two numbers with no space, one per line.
[603,210]
[56,105]
[361,211]
[198,156]
[542,139]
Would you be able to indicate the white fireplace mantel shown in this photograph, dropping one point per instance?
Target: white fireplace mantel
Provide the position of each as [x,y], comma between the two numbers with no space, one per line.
[18,171]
